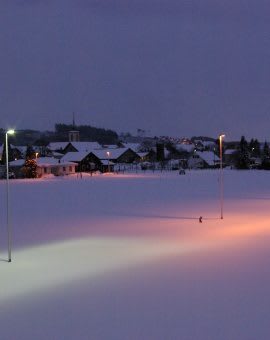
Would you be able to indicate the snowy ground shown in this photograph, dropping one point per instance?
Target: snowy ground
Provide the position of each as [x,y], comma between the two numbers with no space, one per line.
[125,257]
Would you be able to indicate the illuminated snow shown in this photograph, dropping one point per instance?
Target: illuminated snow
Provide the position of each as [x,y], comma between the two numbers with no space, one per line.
[125,257]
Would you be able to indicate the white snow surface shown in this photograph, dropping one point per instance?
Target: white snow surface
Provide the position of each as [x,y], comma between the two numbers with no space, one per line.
[125,257]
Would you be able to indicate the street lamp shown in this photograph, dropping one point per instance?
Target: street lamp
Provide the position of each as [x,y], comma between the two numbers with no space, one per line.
[8,132]
[221,175]
[108,154]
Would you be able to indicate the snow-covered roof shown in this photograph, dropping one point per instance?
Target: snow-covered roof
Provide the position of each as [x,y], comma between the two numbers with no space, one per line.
[42,162]
[133,146]
[105,162]
[57,154]
[18,162]
[208,143]
[50,161]
[12,147]
[113,153]
[208,156]
[142,154]
[74,156]
[86,146]
[229,151]
[184,147]
[57,146]
[204,142]
[109,146]
[22,148]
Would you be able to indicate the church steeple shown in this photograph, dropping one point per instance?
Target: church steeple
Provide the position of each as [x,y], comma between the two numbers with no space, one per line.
[73,135]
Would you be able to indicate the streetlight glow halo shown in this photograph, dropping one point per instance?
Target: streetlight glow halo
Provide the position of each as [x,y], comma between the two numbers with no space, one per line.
[11,132]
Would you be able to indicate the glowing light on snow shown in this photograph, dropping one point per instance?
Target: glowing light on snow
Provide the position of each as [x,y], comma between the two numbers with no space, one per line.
[54,265]
[57,264]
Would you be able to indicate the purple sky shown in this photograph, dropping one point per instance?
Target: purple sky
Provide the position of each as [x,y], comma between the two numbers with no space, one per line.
[173,67]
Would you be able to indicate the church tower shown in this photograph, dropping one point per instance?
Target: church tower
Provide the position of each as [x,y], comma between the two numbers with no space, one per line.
[74,135]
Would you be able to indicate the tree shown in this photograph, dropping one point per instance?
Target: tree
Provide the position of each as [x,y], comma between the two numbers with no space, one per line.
[257,148]
[266,151]
[30,165]
[160,152]
[243,160]
[30,153]
[146,145]
[87,132]
[11,156]
[254,148]
[4,157]
[266,157]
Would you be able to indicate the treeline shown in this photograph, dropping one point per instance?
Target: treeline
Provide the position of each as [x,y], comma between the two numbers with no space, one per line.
[87,133]
[252,155]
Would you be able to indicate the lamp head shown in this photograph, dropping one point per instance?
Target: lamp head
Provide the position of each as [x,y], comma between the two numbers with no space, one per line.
[221,136]
[10,132]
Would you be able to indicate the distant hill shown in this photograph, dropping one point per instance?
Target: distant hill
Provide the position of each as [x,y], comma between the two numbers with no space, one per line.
[87,133]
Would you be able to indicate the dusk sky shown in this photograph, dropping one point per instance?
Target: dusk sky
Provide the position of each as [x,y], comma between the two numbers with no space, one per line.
[172,67]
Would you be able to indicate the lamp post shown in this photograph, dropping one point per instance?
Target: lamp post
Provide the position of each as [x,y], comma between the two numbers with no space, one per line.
[221,175]
[8,132]
[108,154]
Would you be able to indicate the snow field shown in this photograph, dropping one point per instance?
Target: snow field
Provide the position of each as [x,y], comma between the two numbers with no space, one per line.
[125,257]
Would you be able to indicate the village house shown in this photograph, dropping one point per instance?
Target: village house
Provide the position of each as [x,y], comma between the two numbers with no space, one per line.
[57,147]
[149,156]
[109,157]
[203,159]
[136,147]
[45,166]
[81,147]
[85,161]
